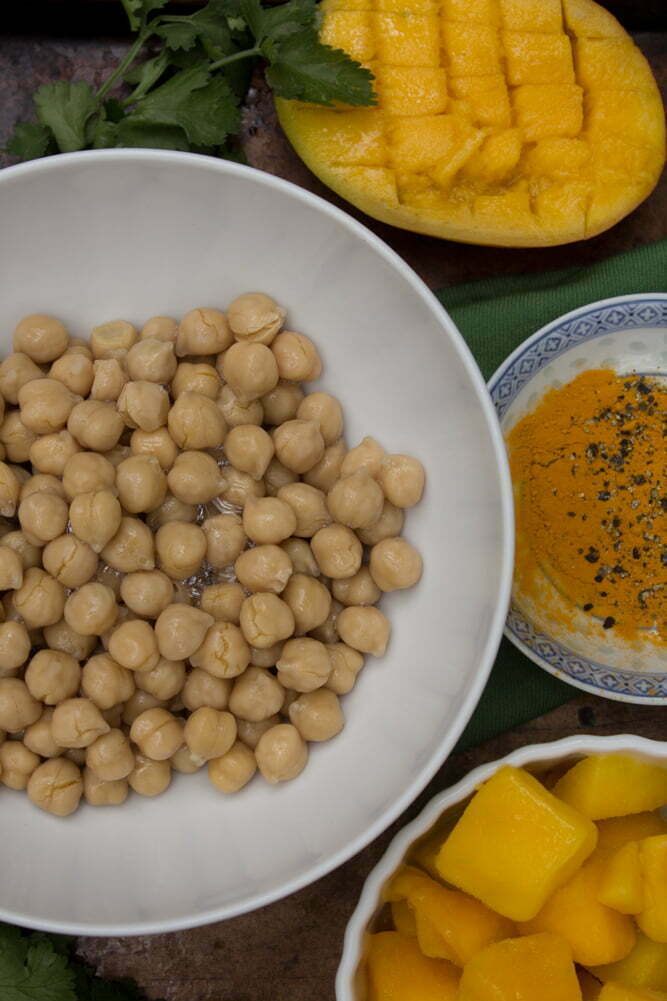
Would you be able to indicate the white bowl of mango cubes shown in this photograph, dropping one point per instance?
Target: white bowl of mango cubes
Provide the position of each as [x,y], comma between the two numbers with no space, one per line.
[131,234]
[538,834]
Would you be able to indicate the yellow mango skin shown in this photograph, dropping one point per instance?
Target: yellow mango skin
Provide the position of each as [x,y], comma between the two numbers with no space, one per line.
[515,845]
[397,971]
[645,966]
[466,91]
[621,883]
[596,934]
[617,992]
[613,785]
[535,968]
[653,859]
[618,831]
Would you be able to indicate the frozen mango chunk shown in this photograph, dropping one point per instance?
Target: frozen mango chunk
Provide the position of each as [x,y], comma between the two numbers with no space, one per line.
[653,859]
[407,39]
[411,90]
[531,15]
[596,934]
[537,57]
[350,30]
[645,966]
[515,845]
[471,49]
[617,992]
[618,831]
[397,971]
[621,881]
[613,785]
[544,110]
[534,968]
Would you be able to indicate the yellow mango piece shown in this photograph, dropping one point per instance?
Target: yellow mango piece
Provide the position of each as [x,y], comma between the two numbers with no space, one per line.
[653,859]
[613,63]
[496,158]
[617,992]
[596,934]
[404,918]
[413,6]
[588,985]
[621,881]
[487,98]
[433,139]
[471,49]
[397,971]
[613,785]
[350,30]
[411,90]
[556,158]
[634,115]
[531,15]
[407,39]
[378,183]
[613,197]
[535,968]
[590,20]
[546,110]
[618,831]
[645,966]
[537,57]
[515,845]
[471,11]
[564,204]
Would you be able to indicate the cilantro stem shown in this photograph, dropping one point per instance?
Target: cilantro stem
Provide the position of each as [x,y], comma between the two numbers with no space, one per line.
[245,54]
[124,64]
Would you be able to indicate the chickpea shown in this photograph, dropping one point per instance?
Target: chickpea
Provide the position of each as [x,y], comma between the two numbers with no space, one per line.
[196,377]
[402,479]
[144,405]
[223,601]
[250,369]
[195,478]
[51,453]
[164,681]
[96,425]
[254,316]
[157,734]
[162,328]
[297,357]
[43,517]
[41,483]
[395,564]
[250,449]
[109,379]
[327,471]
[224,652]
[264,568]
[133,645]
[202,689]
[195,422]
[77,723]
[301,556]
[317,715]
[388,525]
[268,520]
[155,443]
[141,484]
[15,371]
[74,370]
[268,657]
[266,620]
[235,411]
[146,592]
[91,610]
[52,676]
[87,472]
[79,346]
[282,403]
[281,753]
[337,550]
[151,360]
[38,738]
[60,636]
[139,703]
[277,476]
[364,628]
[356,501]
[40,600]
[97,792]
[110,757]
[14,648]
[18,708]
[299,445]
[149,778]
[210,733]
[30,555]
[180,630]
[238,487]
[327,632]
[111,339]
[304,665]
[256,695]
[132,548]
[309,506]
[233,770]
[56,786]
[360,589]
[185,762]
[203,331]
[42,338]
[69,560]
[11,569]
[171,509]
[16,437]
[309,600]
[105,682]
[95,518]
[17,763]
[250,733]
[180,549]
[326,411]
[46,405]
[367,456]
[10,489]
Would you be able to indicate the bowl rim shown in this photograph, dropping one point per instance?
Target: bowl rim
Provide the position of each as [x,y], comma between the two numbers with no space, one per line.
[548,328]
[313,872]
[527,755]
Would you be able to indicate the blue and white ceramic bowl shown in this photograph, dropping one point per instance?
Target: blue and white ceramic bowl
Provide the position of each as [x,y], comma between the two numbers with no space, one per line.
[629,334]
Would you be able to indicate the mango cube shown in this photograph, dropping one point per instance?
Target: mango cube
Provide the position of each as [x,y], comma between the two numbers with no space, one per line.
[634,116]
[535,968]
[515,845]
[397,971]
[653,858]
[618,831]
[645,966]
[471,49]
[617,992]
[614,63]
[531,15]
[556,158]
[621,883]
[535,57]
[406,90]
[487,97]
[613,785]
[351,31]
[471,11]
[496,158]
[407,39]
[591,20]
[544,110]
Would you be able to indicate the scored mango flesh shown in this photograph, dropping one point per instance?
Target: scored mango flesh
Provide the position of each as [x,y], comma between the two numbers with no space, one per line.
[504,122]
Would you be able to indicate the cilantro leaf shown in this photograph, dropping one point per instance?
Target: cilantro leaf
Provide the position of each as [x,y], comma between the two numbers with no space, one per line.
[288,18]
[65,108]
[29,141]
[176,34]
[138,10]
[204,108]
[145,75]
[303,69]
[32,969]
[135,132]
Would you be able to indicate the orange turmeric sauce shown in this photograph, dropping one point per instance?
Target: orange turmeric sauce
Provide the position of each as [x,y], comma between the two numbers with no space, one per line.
[589,466]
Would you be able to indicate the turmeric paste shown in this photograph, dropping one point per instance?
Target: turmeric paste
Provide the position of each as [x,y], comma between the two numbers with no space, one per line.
[589,466]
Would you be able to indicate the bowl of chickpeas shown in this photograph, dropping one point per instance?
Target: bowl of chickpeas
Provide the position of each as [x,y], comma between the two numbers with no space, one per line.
[255,540]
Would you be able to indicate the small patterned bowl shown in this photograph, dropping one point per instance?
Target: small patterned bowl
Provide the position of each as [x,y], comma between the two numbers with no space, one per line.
[629,334]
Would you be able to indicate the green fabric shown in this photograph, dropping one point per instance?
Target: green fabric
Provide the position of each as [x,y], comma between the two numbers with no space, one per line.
[495,316]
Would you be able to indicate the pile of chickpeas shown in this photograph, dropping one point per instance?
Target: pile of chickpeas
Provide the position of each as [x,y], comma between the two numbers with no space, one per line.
[190,557]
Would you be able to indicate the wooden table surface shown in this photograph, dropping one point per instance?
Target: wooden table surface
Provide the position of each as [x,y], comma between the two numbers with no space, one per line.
[289,951]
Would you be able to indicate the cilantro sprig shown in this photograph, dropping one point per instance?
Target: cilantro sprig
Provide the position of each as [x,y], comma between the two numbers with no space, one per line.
[182,82]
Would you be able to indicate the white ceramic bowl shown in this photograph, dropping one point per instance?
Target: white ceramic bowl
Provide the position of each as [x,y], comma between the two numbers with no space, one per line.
[350,979]
[96,236]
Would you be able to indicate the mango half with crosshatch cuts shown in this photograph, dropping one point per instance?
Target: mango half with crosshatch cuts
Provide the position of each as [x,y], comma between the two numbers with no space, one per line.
[518,123]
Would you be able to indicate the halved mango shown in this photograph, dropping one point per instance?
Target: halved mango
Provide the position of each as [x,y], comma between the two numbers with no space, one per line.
[461,86]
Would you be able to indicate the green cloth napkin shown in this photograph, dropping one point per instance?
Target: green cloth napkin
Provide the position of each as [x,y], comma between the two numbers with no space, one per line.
[495,316]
